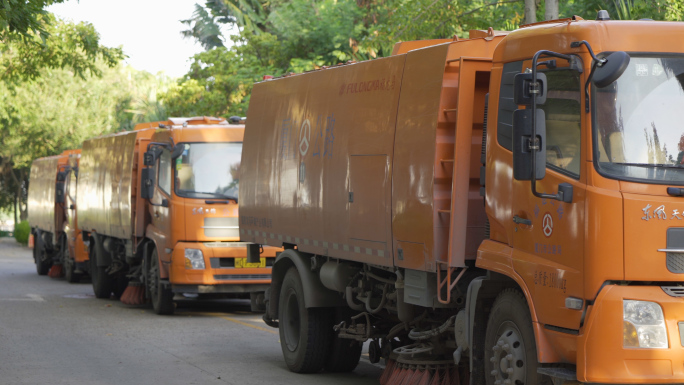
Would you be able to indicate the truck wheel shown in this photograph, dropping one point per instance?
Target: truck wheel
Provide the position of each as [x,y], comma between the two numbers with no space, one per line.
[305,334]
[162,297]
[256,302]
[510,348]
[102,281]
[69,268]
[40,255]
[119,285]
[344,353]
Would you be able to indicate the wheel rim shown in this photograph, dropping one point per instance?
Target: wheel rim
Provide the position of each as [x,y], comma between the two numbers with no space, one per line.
[508,356]
[291,323]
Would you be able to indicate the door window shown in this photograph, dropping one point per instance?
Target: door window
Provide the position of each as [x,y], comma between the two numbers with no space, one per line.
[164,172]
[563,117]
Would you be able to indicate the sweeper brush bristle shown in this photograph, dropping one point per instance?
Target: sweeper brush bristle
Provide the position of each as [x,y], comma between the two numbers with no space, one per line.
[436,379]
[425,378]
[56,271]
[456,377]
[389,370]
[407,372]
[133,295]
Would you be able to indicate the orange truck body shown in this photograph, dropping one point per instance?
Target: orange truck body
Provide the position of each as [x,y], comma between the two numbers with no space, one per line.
[52,222]
[377,172]
[129,230]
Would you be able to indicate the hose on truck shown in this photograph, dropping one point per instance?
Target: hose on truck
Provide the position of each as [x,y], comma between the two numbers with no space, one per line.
[427,334]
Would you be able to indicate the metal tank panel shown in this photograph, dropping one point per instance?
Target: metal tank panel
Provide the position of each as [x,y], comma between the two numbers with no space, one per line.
[41,199]
[104,185]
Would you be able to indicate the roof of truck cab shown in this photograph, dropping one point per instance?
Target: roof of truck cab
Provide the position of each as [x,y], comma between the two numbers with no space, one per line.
[602,35]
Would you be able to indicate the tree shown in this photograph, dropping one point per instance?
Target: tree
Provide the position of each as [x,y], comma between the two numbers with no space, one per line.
[530,11]
[303,35]
[21,18]
[220,80]
[33,43]
[551,10]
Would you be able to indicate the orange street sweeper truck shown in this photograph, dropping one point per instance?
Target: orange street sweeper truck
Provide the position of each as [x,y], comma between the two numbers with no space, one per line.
[158,208]
[50,216]
[500,210]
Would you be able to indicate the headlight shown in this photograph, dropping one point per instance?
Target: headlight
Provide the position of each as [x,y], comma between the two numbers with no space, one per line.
[643,325]
[194,259]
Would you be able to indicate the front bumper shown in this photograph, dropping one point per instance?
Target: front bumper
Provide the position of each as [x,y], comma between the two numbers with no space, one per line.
[218,279]
[601,355]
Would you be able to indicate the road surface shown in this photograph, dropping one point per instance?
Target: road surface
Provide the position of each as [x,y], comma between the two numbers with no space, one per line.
[53,332]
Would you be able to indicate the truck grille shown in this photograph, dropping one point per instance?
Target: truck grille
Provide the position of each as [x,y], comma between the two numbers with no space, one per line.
[240,277]
[675,262]
[221,227]
[674,291]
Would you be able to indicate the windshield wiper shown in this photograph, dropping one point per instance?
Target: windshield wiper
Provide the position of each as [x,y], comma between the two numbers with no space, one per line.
[651,165]
[221,201]
[221,196]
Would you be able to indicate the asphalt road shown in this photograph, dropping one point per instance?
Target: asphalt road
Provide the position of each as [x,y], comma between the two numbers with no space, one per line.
[53,332]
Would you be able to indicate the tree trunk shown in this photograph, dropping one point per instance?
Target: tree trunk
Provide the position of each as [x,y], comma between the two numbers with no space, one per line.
[530,11]
[551,10]
[15,210]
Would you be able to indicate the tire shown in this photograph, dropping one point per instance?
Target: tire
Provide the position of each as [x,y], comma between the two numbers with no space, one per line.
[40,254]
[119,285]
[102,282]
[305,334]
[256,302]
[509,333]
[69,268]
[344,354]
[161,295]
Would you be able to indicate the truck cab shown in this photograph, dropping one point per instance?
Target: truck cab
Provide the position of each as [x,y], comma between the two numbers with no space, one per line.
[594,233]
[192,179]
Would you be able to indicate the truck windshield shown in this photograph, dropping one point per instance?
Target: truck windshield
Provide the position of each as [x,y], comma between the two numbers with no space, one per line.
[208,170]
[639,122]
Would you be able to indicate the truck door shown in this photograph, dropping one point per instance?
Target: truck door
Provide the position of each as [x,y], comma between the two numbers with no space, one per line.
[548,253]
[159,207]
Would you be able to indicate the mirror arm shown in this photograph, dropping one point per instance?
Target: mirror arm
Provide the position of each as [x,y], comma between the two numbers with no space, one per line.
[534,145]
[597,63]
[586,87]
[577,44]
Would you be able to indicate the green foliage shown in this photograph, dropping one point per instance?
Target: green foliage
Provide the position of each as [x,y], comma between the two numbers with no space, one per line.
[318,33]
[21,232]
[204,28]
[59,111]
[69,45]
[220,80]
[280,36]
[23,17]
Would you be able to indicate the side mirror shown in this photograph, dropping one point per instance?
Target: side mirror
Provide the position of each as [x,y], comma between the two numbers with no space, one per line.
[148,158]
[165,203]
[523,141]
[147,183]
[151,155]
[177,150]
[524,88]
[59,192]
[609,71]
